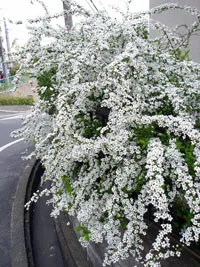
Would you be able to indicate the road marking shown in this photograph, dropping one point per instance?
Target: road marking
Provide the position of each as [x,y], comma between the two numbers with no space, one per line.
[10,144]
[12,118]
[12,111]
[11,115]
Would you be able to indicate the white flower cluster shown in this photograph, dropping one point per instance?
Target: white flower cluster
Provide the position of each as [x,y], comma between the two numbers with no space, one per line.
[117,129]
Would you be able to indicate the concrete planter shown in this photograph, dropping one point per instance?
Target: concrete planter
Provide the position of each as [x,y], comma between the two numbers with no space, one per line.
[95,252]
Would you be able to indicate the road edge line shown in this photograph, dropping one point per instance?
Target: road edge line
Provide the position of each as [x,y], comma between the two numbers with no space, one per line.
[10,144]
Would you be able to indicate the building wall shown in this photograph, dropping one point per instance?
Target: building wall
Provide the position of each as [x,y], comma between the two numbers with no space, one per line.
[176,17]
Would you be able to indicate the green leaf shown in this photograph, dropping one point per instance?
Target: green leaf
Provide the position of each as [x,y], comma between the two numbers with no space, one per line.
[59,192]
[68,187]
[85,233]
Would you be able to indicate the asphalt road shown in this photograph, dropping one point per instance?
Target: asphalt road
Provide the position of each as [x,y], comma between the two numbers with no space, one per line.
[46,249]
[11,168]
[10,119]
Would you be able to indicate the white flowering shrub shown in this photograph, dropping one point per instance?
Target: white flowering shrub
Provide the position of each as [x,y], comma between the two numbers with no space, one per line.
[117,129]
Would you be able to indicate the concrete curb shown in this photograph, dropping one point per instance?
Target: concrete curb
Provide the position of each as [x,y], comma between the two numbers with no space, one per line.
[18,247]
[73,253]
[21,244]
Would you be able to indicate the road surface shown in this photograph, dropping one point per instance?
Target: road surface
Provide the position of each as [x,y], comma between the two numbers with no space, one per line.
[11,168]
[45,244]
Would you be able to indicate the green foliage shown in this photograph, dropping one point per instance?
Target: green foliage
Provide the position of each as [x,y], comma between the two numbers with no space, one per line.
[142,31]
[85,233]
[12,100]
[180,211]
[5,85]
[14,69]
[143,134]
[92,126]
[197,124]
[59,192]
[75,170]
[139,181]
[182,54]
[167,107]
[47,79]
[185,146]
[67,184]
[181,215]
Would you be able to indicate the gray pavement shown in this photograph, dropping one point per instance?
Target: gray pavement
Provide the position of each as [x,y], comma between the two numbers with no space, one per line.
[11,169]
[16,179]
[45,244]
[10,119]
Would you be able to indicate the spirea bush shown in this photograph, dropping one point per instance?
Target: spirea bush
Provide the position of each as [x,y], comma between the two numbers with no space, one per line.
[117,128]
